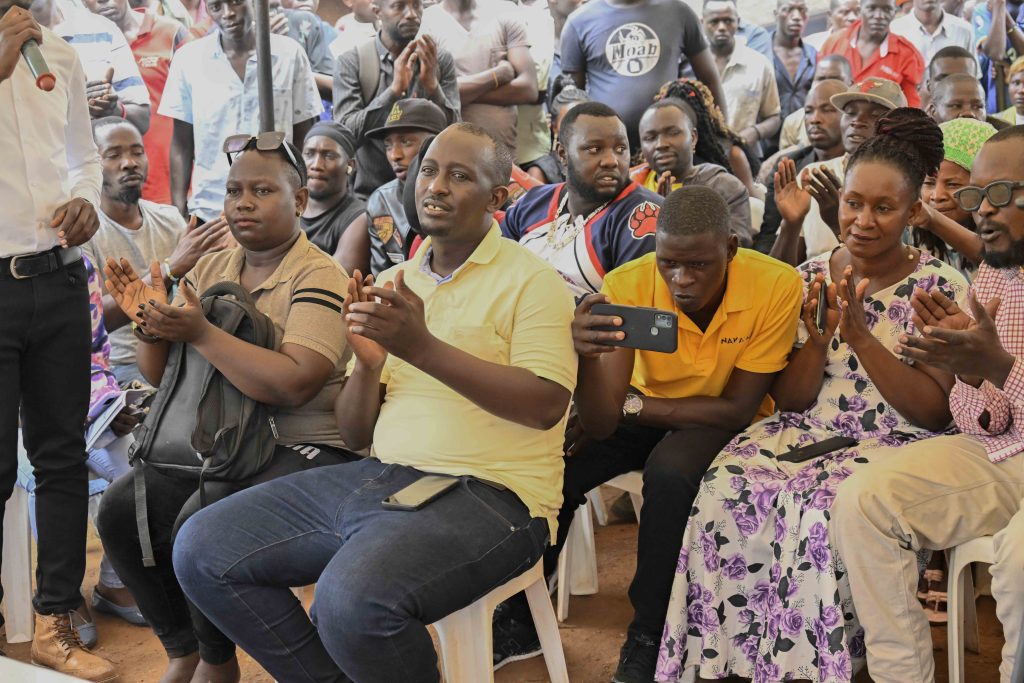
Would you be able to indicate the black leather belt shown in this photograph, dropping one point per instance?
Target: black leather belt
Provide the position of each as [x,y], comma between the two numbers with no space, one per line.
[41,263]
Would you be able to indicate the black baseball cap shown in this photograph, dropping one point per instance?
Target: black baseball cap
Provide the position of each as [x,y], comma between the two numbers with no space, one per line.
[414,113]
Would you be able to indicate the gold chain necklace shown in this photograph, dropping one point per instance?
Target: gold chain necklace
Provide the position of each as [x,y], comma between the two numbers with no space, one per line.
[563,232]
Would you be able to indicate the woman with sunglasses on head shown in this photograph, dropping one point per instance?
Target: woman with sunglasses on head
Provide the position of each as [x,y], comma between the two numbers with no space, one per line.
[301,290]
[759,592]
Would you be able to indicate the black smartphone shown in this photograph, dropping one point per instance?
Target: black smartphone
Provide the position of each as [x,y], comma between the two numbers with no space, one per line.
[821,315]
[417,494]
[814,450]
[647,329]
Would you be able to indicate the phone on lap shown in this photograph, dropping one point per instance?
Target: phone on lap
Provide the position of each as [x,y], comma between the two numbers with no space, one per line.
[815,450]
[419,493]
[647,329]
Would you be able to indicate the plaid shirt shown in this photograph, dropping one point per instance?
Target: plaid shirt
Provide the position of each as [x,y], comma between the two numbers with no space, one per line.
[1004,436]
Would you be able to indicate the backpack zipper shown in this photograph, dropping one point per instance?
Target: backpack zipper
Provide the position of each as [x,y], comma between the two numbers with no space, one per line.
[273,427]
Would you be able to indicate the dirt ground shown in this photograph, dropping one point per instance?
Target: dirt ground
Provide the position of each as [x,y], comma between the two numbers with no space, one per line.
[591,637]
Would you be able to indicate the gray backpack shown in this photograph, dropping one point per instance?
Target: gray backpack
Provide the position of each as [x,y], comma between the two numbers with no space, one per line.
[199,425]
[369,69]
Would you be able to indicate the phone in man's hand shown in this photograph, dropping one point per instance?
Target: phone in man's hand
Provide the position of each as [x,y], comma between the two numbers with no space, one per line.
[647,329]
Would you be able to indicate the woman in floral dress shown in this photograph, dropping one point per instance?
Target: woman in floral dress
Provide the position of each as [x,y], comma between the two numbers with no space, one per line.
[758,591]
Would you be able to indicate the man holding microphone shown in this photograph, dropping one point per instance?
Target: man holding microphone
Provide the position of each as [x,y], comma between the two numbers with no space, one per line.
[50,182]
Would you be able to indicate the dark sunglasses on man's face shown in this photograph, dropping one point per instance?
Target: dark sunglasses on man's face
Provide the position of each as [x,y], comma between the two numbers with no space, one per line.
[270,141]
[999,194]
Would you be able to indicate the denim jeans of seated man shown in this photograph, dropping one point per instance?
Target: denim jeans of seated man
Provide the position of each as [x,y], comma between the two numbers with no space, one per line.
[382,575]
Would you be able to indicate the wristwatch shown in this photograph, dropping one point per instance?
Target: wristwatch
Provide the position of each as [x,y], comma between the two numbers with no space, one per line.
[632,406]
[165,270]
[142,335]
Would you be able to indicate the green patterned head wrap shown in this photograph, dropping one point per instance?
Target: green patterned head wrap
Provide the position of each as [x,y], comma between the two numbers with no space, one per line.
[962,138]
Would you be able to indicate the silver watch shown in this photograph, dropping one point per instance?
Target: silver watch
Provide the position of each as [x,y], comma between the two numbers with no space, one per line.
[632,405]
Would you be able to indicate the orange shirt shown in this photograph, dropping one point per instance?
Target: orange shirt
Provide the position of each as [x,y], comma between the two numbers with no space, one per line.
[153,48]
[896,59]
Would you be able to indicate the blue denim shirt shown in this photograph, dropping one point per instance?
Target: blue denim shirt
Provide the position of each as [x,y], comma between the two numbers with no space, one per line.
[756,37]
[793,92]
[982,23]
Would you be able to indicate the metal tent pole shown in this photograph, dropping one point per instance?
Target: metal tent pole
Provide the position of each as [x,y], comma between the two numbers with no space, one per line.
[263,64]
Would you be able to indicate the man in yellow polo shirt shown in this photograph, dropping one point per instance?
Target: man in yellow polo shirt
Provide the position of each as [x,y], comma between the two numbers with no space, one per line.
[670,414]
[464,368]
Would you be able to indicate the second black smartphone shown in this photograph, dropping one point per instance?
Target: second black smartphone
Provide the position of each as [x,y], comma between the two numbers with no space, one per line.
[814,450]
[821,315]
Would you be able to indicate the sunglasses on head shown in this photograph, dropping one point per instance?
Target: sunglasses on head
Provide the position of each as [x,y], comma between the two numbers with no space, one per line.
[270,141]
[998,193]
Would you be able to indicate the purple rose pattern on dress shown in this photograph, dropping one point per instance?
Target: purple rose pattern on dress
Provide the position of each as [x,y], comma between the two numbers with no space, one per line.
[759,592]
[103,382]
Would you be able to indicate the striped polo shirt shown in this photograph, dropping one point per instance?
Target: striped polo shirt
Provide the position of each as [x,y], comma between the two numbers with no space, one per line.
[303,298]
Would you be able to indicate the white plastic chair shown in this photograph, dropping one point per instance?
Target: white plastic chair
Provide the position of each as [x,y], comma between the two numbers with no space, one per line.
[16,574]
[577,565]
[13,671]
[597,505]
[467,640]
[962,626]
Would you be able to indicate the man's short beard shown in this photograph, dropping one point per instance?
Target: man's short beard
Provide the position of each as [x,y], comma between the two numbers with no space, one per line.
[395,34]
[320,196]
[129,195]
[585,190]
[1010,258]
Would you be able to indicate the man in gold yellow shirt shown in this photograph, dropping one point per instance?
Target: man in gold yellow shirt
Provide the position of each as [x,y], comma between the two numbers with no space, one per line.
[670,414]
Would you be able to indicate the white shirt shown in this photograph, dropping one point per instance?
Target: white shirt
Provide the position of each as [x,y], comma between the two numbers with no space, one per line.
[533,139]
[161,230]
[794,132]
[751,93]
[952,31]
[49,156]
[351,34]
[818,236]
[817,40]
[100,46]
[204,90]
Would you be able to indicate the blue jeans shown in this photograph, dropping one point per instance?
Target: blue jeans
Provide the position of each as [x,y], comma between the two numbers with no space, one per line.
[381,575]
[125,374]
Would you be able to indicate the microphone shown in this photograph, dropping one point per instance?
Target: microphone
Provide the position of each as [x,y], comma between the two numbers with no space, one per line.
[45,80]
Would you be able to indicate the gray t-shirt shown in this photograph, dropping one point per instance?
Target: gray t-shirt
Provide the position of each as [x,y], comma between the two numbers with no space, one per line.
[628,53]
[496,29]
[162,229]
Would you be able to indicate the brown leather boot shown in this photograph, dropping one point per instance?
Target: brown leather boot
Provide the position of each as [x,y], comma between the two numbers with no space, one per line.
[57,646]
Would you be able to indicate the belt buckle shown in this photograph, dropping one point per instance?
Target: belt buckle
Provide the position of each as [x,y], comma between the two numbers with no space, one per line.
[14,269]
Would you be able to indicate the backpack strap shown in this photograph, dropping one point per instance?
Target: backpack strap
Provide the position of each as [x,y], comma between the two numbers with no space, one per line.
[202,483]
[369,69]
[228,289]
[142,514]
